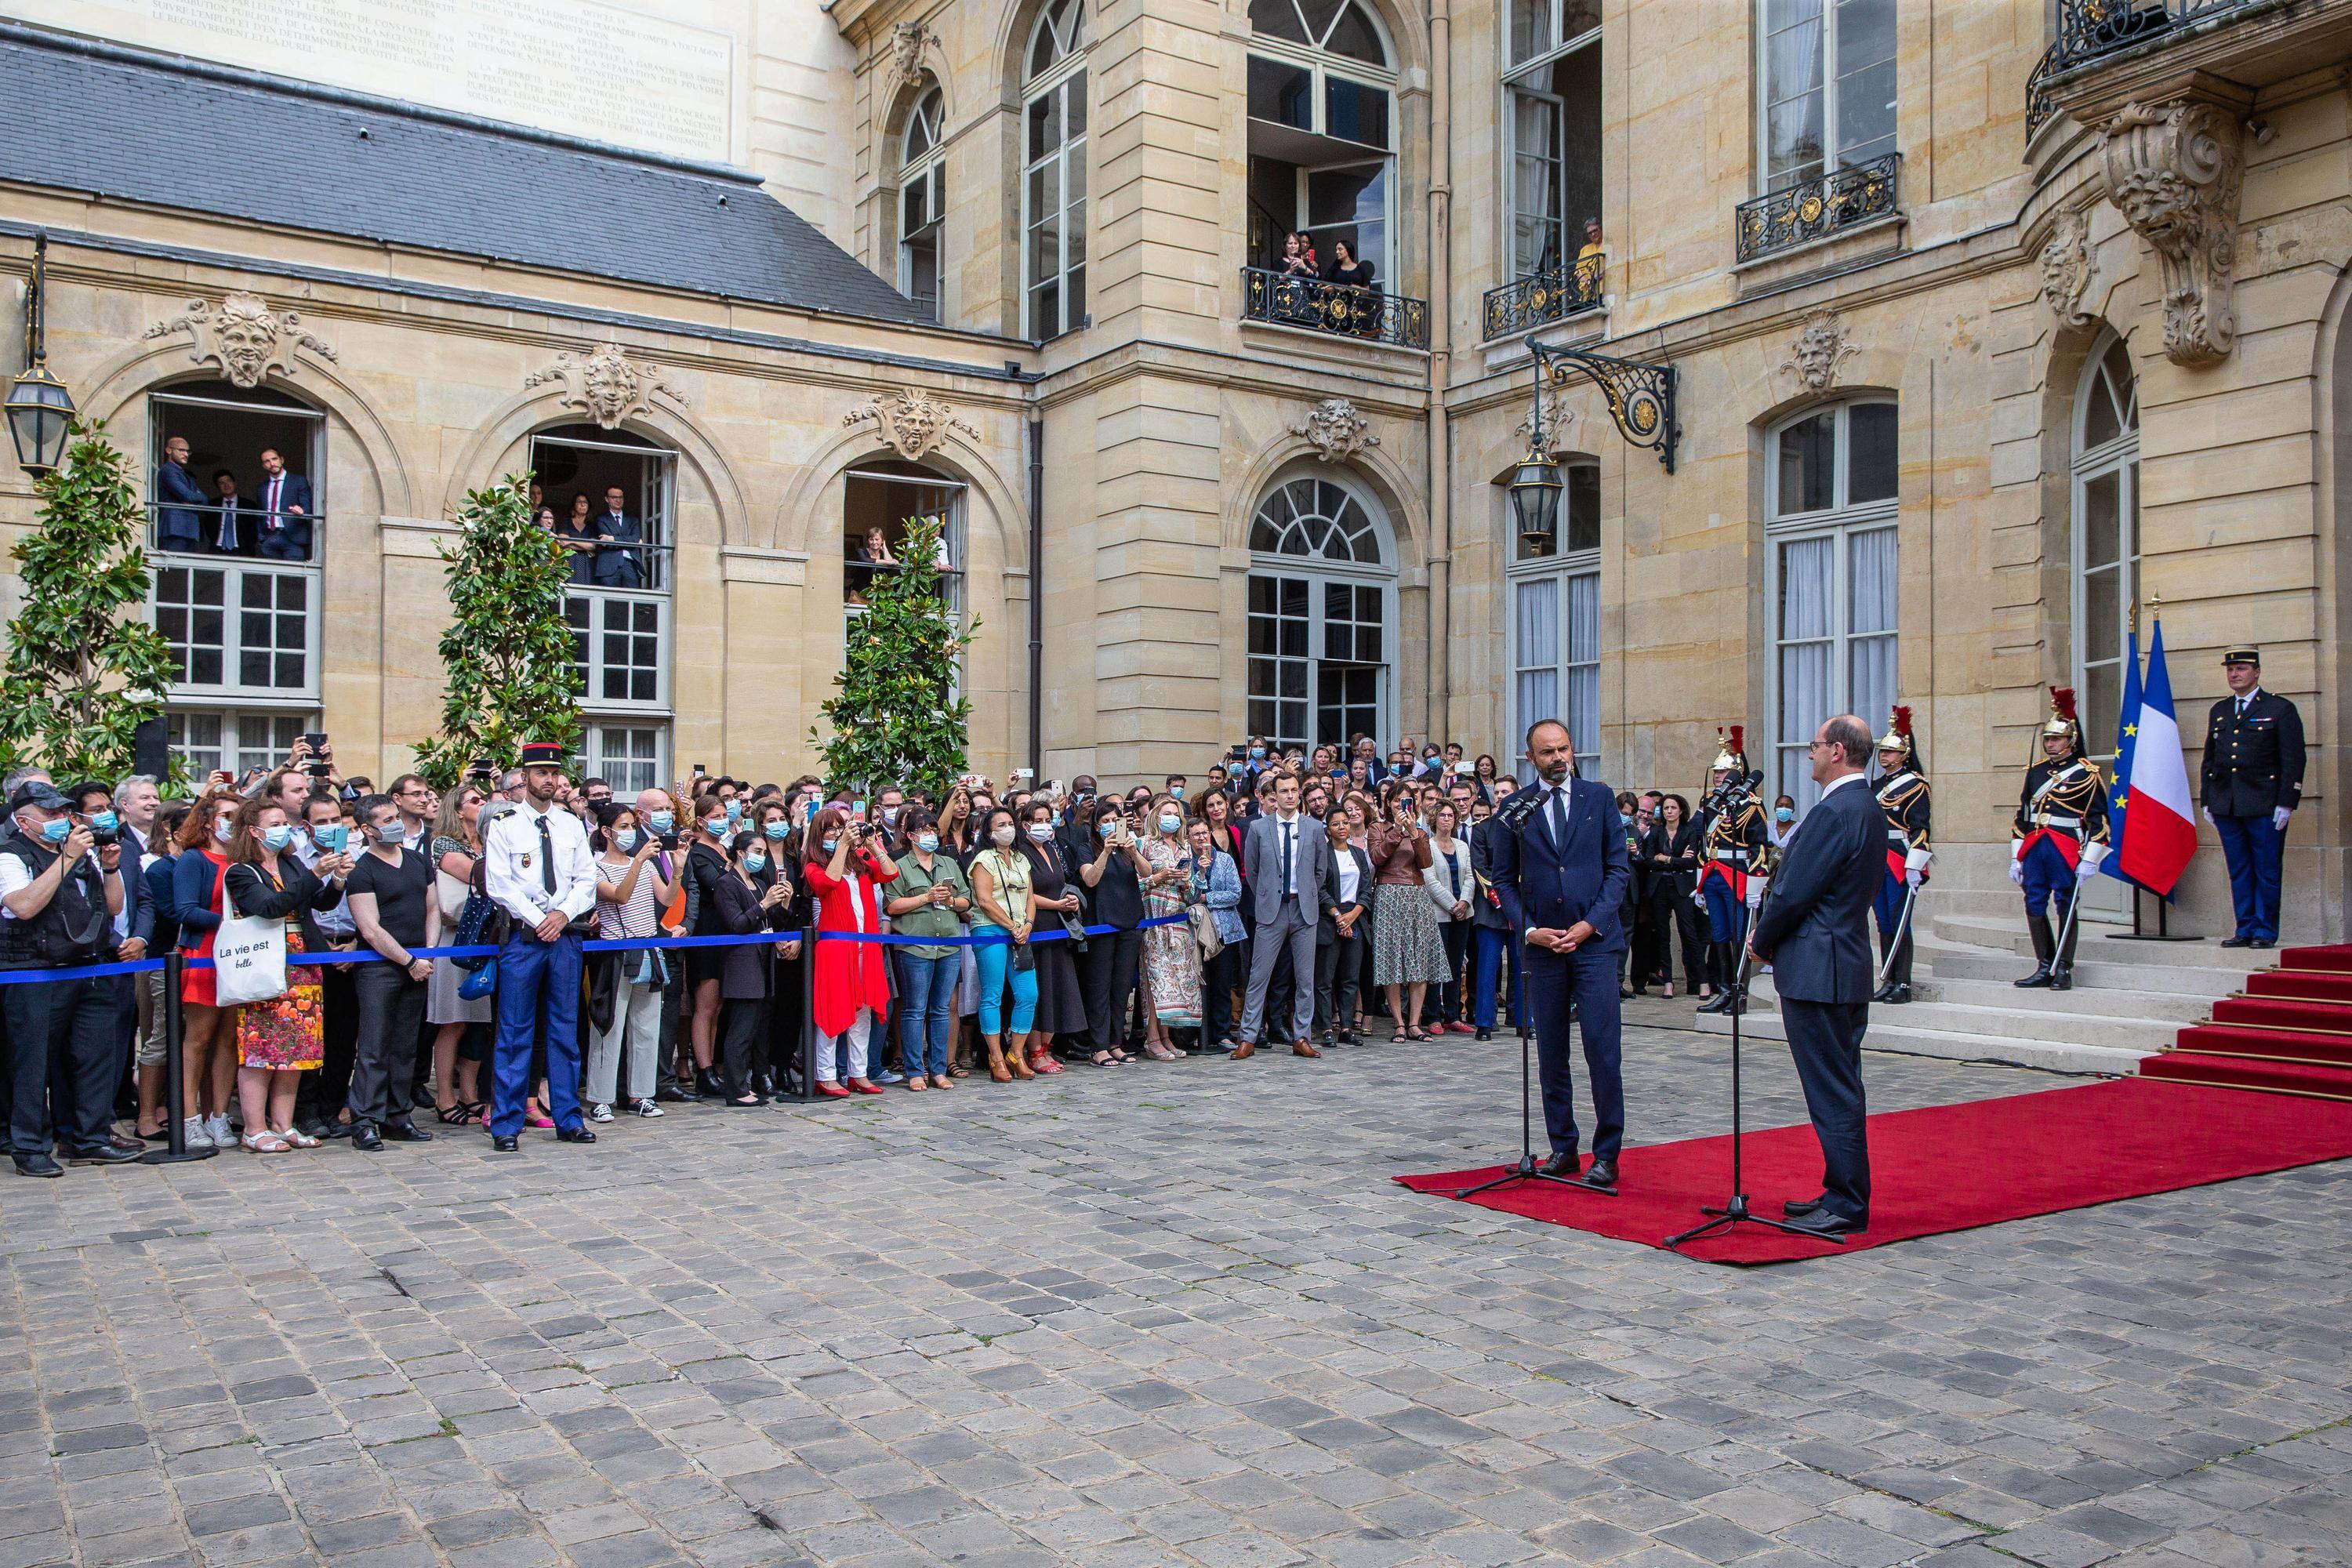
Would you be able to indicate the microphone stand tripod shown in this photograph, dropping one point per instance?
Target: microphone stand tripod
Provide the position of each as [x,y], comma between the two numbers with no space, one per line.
[1735,1210]
[1530,1168]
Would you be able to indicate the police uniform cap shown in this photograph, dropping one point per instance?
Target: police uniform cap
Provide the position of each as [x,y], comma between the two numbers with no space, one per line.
[2243,654]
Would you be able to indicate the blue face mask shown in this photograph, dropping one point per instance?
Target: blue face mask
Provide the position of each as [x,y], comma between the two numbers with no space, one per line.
[1784,814]
[1257,753]
[1624,820]
[103,822]
[57,832]
[625,839]
[734,812]
[333,837]
[831,845]
[927,843]
[1176,791]
[664,821]
[276,838]
[775,829]
[755,862]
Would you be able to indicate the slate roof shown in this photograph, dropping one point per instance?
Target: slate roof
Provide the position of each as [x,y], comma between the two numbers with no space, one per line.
[150,129]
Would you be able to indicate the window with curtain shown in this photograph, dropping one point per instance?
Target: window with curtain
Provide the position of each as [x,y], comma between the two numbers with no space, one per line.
[1322,133]
[1555,621]
[1554,83]
[2105,543]
[1834,591]
[1826,93]
[922,203]
[1053,173]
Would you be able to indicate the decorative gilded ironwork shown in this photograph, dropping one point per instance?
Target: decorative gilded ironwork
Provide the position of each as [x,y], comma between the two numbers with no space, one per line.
[1551,295]
[1342,310]
[1641,395]
[1817,207]
[2090,28]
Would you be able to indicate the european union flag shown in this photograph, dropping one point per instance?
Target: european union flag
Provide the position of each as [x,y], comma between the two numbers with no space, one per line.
[2118,778]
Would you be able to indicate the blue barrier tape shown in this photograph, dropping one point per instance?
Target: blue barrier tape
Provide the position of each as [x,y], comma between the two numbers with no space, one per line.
[600,944]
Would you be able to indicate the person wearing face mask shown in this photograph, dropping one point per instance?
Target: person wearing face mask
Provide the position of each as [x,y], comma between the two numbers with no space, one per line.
[1783,825]
[1002,901]
[57,905]
[324,846]
[928,897]
[1061,1017]
[844,868]
[393,909]
[1114,869]
[776,1058]
[460,1025]
[282,1038]
[707,864]
[631,890]
[1172,954]
[751,897]
[207,1032]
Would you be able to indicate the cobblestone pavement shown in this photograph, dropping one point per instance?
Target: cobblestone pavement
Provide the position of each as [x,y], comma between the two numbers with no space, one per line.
[1163,1314]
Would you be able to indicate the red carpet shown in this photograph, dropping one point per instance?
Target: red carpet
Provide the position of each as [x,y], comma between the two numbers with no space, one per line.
[2290,1032]
[1949,1167]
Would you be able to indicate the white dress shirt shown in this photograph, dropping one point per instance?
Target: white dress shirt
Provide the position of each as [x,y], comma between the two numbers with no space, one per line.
[1350,878]
[513,870]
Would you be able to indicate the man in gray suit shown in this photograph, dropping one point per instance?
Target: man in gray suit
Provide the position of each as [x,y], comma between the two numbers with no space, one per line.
[1813,928]
[1284,859]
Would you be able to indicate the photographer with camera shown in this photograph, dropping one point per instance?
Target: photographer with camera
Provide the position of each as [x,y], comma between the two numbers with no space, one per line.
[844,866]
[60,896]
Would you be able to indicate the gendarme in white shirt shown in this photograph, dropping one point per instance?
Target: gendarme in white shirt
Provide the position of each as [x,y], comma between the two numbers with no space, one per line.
[512,866]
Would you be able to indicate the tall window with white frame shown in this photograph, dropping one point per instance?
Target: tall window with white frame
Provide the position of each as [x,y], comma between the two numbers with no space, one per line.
[236,568]
[1322,591]
[1552,80]
[2105,543]
[1555,621]
[922,201]
[1827,86]
[1053,173]
[1322,134]
[1831,544]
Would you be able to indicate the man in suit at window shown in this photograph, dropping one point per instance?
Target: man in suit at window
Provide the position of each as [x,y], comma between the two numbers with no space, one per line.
[1813,928]
[618,564]
[229,519]
[1560,871]
[286,510]
[179,500]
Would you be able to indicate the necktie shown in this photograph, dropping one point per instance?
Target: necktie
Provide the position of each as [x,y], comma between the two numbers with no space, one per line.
[1286,888]
[228,526]
[2242,707]
[546,855]
[1560,814]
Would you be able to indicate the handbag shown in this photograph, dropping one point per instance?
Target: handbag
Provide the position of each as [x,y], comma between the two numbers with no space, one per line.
[1076,928]
[249,956]
[1205,930]
[479,982]
[476,927]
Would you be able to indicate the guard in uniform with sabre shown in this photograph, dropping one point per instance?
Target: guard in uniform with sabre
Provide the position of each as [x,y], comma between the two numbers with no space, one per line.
[1903,797]
[1731,877]
[2058,840]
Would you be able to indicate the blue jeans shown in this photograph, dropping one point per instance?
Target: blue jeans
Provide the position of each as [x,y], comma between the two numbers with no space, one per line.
[926,1011]
[2250,846]
[538,981]
[995,965]
[1488,970]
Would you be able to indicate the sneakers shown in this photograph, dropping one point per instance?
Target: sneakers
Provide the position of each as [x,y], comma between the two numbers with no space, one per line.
[643,1107]
[600,1113]
[887,1076]
[217,1128]
[196,1135]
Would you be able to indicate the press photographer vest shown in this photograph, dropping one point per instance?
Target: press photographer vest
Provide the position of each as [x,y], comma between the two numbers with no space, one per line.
[71,927]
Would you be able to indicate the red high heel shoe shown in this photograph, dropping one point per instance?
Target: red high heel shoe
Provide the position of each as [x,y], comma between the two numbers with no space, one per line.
[1043,1062]
[830,1089]
[864,1086]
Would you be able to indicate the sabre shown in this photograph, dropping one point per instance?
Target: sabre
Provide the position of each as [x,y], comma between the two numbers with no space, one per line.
[1902,925]
[2072,903]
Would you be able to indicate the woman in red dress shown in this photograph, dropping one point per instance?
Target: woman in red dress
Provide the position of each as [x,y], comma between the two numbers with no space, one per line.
[207,1040]
[847,865]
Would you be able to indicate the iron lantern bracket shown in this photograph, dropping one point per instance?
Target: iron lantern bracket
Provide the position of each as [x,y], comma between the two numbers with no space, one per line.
[1641,393]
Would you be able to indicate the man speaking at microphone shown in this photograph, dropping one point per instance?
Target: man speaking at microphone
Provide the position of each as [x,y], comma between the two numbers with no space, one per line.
[1814,929]
[1560,868]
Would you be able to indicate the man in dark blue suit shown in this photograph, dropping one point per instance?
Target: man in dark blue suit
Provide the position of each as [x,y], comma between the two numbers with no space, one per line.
[1560,871]
[616,565]
[1813,928]
[286,510]
[177,497]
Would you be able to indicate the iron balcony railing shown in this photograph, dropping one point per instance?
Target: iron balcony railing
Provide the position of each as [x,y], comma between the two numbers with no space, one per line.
[1553,295]
[2090,28]
[1815,208]
[2038,107]
[1342,310]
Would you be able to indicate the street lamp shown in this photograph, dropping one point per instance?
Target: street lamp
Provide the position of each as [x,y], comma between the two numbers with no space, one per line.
[40,410]
[1535,483]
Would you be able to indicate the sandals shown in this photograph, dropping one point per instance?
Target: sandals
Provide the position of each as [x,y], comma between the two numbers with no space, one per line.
[266,1144]
[456,1113]
[299,1139]
[1105,1059]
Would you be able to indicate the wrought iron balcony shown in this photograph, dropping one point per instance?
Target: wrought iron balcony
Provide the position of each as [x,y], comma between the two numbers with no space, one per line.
[1550,296]
[1342,310]
[2090,28]
[2038,107]
[1816,208]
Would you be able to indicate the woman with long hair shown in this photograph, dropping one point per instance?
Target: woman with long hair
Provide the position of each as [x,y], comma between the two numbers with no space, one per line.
[1114,871]
[282,1038]
[1054,894]
[1172,954]
[1483,775]
[707,865]
[1408,956]
[455,847]
[929,898]
[207,1031]
[1001,895]
[1451,888]
[631,894]
[1670,852]
[844,867]
[749,897]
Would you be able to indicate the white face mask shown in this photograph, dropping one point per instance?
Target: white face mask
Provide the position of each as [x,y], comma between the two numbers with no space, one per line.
[1004,835]
[224,829]
[1041,831]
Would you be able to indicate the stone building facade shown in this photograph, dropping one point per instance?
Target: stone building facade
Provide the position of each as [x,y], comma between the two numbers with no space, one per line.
[1987,324]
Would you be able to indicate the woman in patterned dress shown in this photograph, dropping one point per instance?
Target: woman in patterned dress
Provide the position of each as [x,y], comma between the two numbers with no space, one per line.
[1172,954]
[286,1036]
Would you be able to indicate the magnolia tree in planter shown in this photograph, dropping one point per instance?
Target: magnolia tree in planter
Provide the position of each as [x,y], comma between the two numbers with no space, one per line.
[897,718]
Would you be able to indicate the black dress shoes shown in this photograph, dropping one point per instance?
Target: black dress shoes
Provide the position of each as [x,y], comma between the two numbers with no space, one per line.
[37,1165]
[1897,995]
[2260,942]
[104,1154]
[1483,1035]
[405,1132]
[575,1135]
[1717,1002]
[671,1094]
[505,1143]
[365,1138]
[1796,1208]
[1603,1173]
[1569,1164]
[1821,1222]
[2237,941]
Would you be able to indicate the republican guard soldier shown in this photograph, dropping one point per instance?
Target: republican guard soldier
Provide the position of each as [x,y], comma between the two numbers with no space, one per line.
[1731,876]
[2252,782]
[2057,841]
[1903,797]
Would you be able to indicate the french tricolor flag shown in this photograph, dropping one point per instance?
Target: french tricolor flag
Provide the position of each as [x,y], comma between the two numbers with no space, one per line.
[2163,833]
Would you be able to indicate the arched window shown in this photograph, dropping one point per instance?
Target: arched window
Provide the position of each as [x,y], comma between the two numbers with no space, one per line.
[1828,521]
[1053,173]
[1555,625]
[922,200]
[2105,543]
[1321,590]
[1322,136]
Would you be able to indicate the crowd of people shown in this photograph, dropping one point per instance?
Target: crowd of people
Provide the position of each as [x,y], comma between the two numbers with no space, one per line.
[1401,940]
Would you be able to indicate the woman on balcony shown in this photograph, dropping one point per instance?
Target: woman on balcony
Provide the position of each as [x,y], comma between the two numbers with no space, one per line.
[579,535]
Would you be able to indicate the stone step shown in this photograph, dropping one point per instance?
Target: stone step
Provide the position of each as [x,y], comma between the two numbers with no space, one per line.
[2094,973]
[2122,1031]
[1885,1035]
[2166,1007]
[2008,934]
